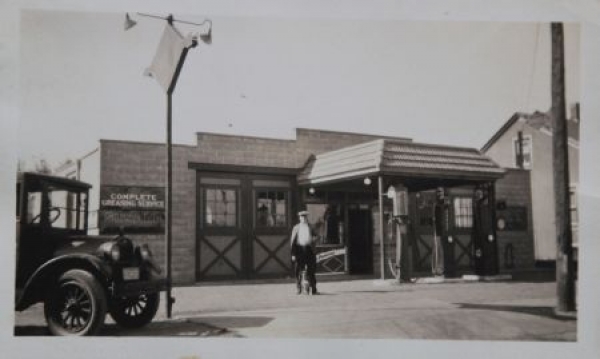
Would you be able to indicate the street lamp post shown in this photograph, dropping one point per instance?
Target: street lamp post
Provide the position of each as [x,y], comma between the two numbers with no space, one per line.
[166,67]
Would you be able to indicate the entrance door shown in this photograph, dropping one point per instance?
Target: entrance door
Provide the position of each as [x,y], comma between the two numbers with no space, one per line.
[360,241]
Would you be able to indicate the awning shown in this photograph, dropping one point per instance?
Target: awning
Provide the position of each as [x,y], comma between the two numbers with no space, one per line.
[399,159]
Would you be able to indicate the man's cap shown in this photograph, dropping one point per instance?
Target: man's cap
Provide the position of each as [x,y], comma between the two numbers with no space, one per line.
[303,213]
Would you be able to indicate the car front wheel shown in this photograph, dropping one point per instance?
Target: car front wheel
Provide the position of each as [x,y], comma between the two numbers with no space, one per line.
[134,312]
[76,305]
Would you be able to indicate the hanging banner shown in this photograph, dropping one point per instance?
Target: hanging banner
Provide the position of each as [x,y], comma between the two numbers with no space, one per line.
[134,209]
[167,57]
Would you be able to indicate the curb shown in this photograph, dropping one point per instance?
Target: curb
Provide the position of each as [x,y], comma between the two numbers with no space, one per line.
[467,278]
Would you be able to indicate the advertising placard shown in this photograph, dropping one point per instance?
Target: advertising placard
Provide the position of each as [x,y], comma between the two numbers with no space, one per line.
[134,209]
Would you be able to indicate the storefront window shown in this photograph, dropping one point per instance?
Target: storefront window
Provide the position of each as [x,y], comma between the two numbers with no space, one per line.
[463,212]
[220,207]
[327,221]
[271,209]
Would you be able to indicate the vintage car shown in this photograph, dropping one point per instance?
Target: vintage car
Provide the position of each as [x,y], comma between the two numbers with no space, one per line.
[79,277]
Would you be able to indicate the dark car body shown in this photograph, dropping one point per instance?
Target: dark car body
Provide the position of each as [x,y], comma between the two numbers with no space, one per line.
[52,240]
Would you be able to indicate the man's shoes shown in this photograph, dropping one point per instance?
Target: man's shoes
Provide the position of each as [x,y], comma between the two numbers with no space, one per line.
[314,292]
[299,291]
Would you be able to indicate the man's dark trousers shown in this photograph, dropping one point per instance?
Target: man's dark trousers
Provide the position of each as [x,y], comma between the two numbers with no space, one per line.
[306,257]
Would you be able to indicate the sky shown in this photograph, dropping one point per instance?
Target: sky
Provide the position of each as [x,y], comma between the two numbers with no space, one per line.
[451,83]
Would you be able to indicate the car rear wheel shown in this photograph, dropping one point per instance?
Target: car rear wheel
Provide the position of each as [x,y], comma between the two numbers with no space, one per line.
[134,312]
[76,305]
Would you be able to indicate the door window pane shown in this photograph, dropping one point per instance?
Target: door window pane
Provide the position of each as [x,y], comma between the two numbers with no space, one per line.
[463,212]
[220,208]
[271,208]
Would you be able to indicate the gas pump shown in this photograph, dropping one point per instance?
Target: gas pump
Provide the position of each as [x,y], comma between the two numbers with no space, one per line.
[402,266]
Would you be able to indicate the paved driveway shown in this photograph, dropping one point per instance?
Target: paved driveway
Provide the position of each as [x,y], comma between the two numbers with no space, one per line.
[354,309]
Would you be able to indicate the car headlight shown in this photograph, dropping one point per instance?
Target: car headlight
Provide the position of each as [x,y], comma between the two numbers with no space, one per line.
[115,252]
[145,253]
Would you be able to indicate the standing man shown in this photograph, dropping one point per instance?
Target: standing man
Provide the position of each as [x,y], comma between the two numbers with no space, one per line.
[303,254]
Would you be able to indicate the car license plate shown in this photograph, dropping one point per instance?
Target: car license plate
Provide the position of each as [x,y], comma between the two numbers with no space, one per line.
[131,273]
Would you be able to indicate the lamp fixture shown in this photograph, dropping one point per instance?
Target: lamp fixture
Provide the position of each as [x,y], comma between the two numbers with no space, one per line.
[205,37]
[391,192]
[129,23]
[367,181]
[311,190]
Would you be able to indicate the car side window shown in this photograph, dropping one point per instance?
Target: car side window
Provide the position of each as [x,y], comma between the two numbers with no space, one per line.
[34,207]
[64,208]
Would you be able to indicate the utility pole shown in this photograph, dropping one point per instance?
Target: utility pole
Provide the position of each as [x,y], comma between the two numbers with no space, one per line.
[166,68]
[564,255]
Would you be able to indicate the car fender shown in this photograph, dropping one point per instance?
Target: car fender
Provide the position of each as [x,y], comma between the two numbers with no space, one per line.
[47,274]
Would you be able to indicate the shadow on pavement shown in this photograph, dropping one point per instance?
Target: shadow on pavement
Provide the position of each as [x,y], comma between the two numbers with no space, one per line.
[31,330]
[376,291]
[234,322]
[195,327]
[547,312]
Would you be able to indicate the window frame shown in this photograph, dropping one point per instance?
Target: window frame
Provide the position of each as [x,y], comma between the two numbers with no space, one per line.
[287,197]
[526,165]
[203,212]
[456,214]
[574,213]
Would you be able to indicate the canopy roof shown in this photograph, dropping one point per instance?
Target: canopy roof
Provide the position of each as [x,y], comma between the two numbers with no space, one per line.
[400,159]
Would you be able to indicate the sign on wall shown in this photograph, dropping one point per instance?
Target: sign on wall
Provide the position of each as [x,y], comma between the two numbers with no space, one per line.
[512,218]
[135,209]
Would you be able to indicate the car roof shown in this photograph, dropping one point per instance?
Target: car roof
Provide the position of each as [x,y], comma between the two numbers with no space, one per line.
[31,176]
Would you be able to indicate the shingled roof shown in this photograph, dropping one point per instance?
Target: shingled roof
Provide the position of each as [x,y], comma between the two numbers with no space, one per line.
[537,120]
[400,159]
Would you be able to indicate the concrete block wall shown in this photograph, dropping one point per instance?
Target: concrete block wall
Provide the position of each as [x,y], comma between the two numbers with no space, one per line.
[268,152]
[515,189]
[144,164]
[246,151]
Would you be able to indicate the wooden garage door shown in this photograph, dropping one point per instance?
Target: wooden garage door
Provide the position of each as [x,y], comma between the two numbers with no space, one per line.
[221,231]
[243,224]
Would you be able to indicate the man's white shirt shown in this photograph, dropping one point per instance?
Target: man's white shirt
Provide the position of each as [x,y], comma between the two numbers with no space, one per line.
[304,236]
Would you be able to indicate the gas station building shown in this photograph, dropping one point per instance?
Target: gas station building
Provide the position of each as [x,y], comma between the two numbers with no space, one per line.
[235,200]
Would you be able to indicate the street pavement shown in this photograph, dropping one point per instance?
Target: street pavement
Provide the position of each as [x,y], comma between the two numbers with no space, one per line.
[353,308]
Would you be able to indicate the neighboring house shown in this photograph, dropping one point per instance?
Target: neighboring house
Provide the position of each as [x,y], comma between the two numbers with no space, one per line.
[525,142]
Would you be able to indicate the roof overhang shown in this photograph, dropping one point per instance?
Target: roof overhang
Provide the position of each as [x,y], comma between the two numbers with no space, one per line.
[401,160]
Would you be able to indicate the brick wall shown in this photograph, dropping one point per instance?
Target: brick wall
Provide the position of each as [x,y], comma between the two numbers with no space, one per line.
[515,190]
